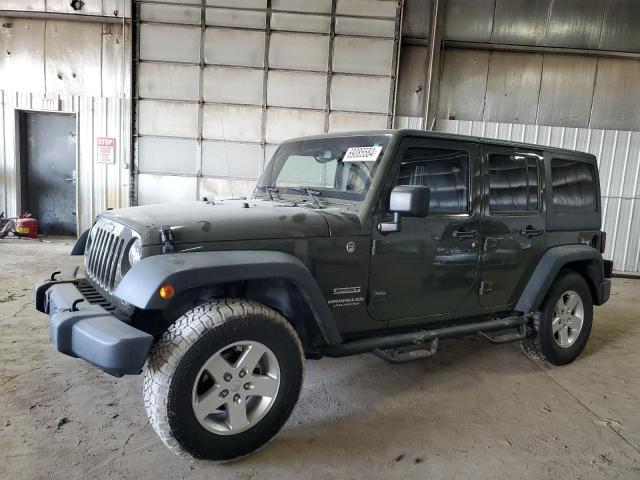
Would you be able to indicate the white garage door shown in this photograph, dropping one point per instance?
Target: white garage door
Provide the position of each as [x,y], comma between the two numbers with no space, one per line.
[219,83]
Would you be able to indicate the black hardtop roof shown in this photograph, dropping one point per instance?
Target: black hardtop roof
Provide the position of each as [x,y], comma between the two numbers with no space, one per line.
[406,132]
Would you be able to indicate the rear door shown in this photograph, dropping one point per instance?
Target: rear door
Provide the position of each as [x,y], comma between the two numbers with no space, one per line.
[513,225]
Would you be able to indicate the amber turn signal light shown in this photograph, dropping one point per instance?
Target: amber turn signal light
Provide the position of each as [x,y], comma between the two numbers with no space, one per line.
[166,291]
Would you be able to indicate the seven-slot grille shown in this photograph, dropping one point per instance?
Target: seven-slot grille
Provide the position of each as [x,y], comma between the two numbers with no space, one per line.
[105,250]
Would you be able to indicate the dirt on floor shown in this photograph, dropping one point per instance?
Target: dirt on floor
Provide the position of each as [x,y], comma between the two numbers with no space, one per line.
[474,411]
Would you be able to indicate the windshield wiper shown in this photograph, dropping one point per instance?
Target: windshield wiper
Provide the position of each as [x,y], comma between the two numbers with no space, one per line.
[268,190]
[312,194]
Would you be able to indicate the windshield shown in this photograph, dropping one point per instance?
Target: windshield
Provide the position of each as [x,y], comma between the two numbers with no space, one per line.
[340,167]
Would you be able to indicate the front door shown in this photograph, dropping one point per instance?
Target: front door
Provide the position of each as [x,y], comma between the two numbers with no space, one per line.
[429,267]
[513,226]
[48,170]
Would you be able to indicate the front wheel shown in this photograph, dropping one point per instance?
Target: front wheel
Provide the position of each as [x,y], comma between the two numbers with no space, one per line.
[223,379]
[566,319]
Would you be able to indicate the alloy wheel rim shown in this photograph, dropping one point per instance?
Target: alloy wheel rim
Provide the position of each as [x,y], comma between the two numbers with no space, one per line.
[236,387]
[568,317]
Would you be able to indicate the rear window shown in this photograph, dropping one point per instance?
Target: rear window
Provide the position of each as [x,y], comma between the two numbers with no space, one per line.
[574,186]
[513,183]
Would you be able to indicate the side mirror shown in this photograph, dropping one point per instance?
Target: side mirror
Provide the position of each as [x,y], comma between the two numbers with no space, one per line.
[408,201]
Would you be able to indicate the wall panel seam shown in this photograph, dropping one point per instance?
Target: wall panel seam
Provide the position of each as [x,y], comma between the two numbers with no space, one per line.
[332,35]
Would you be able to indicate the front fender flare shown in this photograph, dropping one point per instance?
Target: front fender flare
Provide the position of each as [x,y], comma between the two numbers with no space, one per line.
[184,271]
[81,244]
[550,264]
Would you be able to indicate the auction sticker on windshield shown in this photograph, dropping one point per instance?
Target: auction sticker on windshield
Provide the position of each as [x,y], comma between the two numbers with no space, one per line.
[362,154]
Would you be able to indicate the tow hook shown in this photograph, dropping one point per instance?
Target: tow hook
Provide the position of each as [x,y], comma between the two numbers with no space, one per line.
[74,306]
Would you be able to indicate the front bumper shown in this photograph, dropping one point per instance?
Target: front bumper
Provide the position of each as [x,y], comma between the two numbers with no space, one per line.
[89,331]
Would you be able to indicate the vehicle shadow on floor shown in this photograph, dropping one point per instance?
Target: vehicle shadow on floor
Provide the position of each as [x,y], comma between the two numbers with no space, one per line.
[375,402]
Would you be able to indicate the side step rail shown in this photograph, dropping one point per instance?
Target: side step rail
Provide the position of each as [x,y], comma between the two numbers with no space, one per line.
[407,354]
[523,331]
[421,337]
[520,334]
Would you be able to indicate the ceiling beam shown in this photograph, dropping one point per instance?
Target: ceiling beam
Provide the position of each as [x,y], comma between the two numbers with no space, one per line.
[67,17]
[501,47]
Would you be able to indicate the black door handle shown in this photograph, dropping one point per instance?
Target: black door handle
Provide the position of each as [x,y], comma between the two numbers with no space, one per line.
[531,232]
[462,235]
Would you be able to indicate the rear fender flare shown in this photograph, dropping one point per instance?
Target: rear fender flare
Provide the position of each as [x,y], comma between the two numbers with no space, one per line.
[550,264]
[185,271]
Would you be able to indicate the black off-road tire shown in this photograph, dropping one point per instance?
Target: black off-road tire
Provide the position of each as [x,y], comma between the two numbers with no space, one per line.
[176,359]
[543,341]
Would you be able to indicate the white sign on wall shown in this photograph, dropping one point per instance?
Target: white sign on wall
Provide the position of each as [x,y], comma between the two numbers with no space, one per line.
[106,149]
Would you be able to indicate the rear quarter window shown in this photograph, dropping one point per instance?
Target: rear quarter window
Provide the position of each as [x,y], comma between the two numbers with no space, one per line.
[573,186]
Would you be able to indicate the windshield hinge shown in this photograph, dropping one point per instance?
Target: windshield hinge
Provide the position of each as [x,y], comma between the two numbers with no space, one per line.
[166,236]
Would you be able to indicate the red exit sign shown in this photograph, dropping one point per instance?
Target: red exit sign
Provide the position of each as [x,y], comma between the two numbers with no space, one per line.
[106,149]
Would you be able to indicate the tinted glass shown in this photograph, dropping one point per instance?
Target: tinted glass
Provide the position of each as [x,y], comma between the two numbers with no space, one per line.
[574,186]
[513,183]
[445,172]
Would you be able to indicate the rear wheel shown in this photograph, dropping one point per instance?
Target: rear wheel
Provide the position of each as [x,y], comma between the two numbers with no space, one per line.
[566,319]
[223,379]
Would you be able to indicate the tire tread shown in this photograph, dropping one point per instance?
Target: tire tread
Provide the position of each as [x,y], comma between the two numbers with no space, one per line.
[164,360]
[534,344]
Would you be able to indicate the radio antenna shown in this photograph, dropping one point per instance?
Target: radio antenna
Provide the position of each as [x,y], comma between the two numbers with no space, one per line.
[226,157]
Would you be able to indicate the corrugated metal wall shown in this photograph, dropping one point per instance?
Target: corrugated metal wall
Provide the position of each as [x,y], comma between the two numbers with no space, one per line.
[588,24]
[414,57]
[618,154]
[72,67]
[100,186]
[575,82]
[543,89]
[220,83]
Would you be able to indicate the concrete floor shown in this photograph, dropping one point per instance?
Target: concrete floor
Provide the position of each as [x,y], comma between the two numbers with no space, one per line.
[474,411]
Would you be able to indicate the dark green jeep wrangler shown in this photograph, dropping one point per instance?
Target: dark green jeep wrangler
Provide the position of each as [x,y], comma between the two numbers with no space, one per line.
[383,242]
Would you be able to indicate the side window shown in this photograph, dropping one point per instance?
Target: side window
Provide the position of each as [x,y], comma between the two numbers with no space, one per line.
[513,183]
[574,186]
[444,171]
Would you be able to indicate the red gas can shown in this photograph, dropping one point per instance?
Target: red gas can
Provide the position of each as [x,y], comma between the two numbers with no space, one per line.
[27,227]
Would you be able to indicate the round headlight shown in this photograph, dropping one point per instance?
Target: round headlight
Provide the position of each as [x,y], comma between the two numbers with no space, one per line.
[135,252]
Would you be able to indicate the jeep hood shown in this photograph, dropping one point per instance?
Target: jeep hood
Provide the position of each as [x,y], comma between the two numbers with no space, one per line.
[199,222]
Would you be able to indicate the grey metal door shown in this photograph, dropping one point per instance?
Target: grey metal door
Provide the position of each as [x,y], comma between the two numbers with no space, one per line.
[48,170]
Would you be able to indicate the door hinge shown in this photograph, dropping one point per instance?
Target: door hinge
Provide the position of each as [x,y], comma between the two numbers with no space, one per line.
[374,244]
[486,287]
